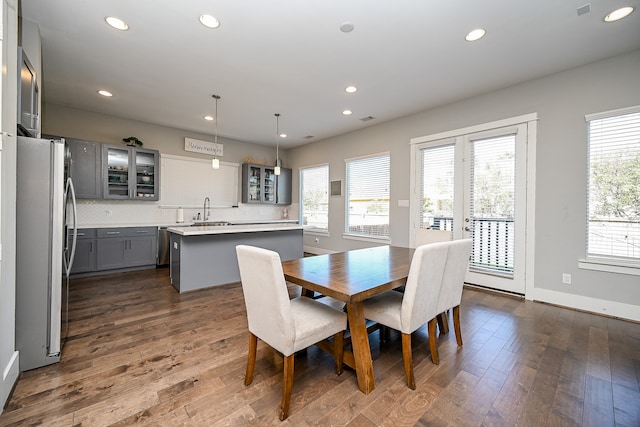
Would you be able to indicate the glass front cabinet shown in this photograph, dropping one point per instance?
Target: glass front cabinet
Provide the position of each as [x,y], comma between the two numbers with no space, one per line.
[260,184]
[130,173]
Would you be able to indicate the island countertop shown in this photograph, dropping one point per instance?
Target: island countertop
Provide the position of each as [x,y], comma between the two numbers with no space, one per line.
[229,229]
[204,256]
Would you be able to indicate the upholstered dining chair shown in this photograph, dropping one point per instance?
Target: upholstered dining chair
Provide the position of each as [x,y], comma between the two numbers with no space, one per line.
[453,280]
[425,236]
[408,311]
[286,325]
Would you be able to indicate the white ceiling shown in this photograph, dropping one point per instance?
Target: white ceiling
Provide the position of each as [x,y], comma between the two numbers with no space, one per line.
[290,57]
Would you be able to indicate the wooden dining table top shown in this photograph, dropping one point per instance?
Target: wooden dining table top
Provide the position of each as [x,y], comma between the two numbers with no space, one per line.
[352,276]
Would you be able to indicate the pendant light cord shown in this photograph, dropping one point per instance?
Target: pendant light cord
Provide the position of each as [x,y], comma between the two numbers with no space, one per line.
[277,135]
[216,97]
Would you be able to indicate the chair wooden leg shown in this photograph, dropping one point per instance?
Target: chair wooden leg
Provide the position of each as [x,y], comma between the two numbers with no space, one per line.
[443,323]
[338,351]
[408,360]
[287,385]
[251,359]
[456,324]
[432,341]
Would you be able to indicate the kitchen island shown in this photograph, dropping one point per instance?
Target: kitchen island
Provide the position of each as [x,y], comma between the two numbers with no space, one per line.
[205,256]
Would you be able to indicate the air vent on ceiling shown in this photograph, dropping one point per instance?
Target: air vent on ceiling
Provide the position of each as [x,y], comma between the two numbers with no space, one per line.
[366,119]
[309,137]
[584,9]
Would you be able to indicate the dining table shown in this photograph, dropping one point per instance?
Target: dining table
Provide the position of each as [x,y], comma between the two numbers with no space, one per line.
[352,277]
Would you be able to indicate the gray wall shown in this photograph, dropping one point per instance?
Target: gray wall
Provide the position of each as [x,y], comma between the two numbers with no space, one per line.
[561,101]
[73,123]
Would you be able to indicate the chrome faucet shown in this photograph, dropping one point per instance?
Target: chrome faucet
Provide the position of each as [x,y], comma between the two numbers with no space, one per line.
[205,216]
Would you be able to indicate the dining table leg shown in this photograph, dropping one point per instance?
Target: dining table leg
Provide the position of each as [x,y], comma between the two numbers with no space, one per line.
[361,348]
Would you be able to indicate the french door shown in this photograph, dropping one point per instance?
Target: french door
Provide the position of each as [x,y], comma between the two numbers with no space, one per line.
[475,185]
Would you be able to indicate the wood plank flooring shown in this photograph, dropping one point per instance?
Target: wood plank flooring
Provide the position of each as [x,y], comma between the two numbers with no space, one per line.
[138,353]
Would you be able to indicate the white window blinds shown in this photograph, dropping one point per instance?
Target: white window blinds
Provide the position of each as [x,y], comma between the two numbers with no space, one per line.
[314,193]
[492,203]
[613,227]
[437,190]
[368,181]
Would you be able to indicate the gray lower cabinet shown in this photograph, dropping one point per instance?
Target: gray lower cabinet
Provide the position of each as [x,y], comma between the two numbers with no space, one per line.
[106,249]
[84,260]
[126,247]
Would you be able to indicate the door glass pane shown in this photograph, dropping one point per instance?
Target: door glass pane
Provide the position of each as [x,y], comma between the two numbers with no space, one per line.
[269,186]
[492,204]
[145,175]
[254,184]
[436,211]
[118,172]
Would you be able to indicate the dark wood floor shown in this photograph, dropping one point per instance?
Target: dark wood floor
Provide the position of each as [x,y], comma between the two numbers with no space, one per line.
[139,353]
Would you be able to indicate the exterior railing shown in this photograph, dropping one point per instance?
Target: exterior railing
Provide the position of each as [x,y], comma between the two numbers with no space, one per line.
[493,242]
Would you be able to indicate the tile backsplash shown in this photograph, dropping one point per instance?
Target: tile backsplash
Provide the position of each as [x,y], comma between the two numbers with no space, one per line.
[102,212]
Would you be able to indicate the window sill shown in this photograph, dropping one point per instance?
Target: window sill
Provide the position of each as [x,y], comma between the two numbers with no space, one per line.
[609,266]
[384,240]
[315,231]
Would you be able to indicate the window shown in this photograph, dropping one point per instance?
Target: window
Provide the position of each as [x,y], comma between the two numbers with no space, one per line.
[613,226]
[314,193]
[368,181]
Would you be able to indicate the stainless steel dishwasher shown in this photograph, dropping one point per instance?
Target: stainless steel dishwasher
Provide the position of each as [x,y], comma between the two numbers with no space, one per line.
[163,247]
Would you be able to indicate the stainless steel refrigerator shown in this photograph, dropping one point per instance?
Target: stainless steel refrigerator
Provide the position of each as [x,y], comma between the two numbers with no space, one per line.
[45,212]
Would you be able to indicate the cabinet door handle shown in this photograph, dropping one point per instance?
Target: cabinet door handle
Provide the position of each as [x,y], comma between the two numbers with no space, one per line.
[110,233]
[142,231]
[80,234]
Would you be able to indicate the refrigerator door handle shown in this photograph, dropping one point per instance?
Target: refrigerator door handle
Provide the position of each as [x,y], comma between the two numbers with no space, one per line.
[70,192]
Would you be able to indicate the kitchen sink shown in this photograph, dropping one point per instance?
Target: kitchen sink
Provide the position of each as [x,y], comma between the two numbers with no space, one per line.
[211,223]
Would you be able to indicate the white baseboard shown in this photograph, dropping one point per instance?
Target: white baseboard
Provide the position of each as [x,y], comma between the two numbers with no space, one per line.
[593,305]
[9,377]
[317,251]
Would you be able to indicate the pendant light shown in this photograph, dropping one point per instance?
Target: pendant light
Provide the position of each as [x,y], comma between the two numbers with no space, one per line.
[215,162]
[276,169]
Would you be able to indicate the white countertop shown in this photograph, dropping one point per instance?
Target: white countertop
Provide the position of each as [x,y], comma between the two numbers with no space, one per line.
[187,224]
[227,229]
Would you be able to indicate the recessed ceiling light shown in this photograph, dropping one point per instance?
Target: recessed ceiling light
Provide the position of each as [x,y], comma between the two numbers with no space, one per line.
[283,135]
[618,14]
[474,35]
[208,118]
[347,112]
[105,93]
[116,23]
[209,21]
[347,27]
[351,89]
